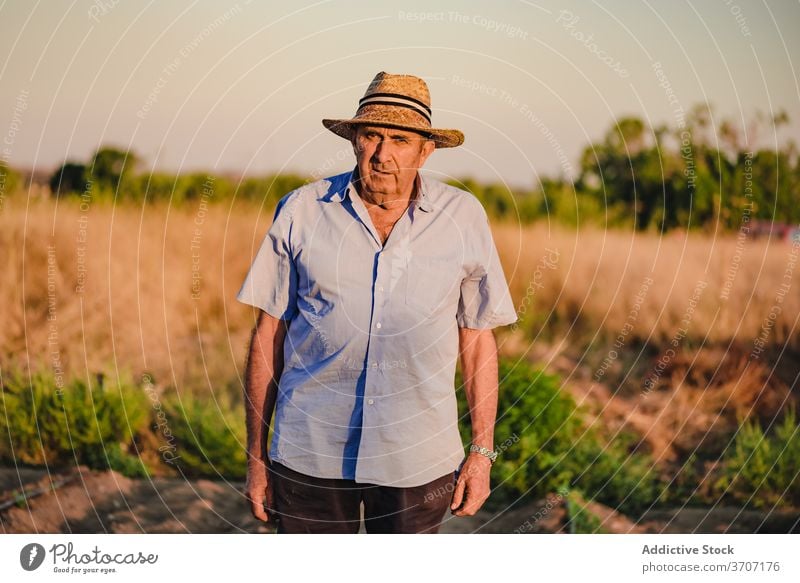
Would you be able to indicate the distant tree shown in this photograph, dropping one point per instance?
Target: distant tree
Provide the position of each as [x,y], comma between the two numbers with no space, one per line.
[687,177]
[110,166]
[9,180]
[625,171]
[71,177]
[497,199]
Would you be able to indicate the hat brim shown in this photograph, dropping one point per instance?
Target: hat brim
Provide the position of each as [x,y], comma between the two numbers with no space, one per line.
[443,138]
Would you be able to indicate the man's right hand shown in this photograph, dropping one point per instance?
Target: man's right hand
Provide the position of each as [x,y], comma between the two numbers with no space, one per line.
[258,490]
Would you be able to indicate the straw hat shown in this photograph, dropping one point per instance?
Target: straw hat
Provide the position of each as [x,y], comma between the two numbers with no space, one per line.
[399,101]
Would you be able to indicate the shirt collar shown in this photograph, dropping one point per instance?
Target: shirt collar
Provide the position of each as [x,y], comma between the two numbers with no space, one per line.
[346,188]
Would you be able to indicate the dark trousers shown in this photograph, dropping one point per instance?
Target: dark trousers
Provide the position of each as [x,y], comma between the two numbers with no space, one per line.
[306,504]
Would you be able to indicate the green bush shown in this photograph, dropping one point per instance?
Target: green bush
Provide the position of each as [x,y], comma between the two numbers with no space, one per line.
[761,470]
[688,484]
[544,445]
[580,519]
[116,427]
[210,436]
[42,423]
[536,424]
[612,472]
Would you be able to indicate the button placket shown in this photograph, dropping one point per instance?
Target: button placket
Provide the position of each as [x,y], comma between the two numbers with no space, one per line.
[377,310]
[387,273]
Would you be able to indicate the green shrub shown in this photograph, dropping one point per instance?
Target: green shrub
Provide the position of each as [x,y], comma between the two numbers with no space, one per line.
[761,470]
[581,520]
[612,472]
[536,424]
[544,444]
[684,484]
[210,436]
[42,423]
[115,427]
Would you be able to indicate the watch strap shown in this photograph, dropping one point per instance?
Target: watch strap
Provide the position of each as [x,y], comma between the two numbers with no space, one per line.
[492,455]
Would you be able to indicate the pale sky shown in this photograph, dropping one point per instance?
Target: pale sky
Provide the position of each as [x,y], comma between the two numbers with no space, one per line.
[242,86]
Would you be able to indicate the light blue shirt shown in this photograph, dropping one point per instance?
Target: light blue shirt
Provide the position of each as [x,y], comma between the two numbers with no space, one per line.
[367,391]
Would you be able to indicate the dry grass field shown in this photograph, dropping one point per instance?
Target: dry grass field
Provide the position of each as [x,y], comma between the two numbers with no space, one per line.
[105,288]
[650,286]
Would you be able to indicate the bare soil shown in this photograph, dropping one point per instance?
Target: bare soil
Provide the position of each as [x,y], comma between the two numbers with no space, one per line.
[86,501]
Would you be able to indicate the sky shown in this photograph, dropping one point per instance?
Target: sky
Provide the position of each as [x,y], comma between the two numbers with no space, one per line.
[242,86]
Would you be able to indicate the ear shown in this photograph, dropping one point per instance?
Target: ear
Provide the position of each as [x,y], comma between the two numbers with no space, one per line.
[428,146]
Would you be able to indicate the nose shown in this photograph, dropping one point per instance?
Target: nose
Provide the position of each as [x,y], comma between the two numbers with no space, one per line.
[382,152]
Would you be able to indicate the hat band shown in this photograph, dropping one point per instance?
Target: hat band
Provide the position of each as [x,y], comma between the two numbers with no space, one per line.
[396,100]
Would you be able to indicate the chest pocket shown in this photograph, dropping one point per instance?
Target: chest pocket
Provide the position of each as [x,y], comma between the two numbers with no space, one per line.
[433,285]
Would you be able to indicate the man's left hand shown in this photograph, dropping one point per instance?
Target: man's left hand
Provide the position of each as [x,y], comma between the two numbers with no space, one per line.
[472,487]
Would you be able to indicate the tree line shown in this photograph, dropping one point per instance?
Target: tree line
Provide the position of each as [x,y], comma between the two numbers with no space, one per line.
[702,174]
[697,176]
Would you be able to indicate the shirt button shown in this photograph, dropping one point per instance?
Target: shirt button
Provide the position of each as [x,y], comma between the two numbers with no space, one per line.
[378,325]
[374,365]
[370,401]
[380,288]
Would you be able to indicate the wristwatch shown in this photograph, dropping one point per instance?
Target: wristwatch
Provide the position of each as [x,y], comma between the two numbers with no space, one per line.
[492,455]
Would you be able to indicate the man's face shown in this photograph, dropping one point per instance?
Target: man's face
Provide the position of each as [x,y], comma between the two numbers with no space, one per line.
[388,158]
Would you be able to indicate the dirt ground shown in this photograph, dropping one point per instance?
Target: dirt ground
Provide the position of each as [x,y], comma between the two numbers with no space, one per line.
[85,501]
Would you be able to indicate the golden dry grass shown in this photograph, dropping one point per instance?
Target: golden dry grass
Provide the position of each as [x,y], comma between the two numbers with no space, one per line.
[599,274]
[137,309]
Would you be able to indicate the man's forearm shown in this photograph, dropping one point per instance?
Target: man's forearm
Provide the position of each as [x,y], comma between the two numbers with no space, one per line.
[264,367]
[479,368]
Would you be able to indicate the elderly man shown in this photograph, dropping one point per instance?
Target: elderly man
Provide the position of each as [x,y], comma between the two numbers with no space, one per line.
[370,284]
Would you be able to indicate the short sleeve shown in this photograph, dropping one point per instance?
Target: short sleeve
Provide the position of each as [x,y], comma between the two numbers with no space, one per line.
[271,283]
[485,300]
